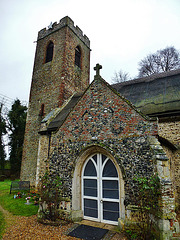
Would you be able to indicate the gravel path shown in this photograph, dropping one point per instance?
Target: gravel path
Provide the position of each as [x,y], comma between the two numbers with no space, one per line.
[19,227]
[29,228]
[9,218]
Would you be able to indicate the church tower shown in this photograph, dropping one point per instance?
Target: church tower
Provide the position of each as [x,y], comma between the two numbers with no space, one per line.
[61,68]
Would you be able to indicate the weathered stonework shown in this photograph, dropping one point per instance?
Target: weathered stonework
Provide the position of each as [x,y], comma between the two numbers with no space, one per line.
[103,121]
[170,130]
[95,119]
[59,78]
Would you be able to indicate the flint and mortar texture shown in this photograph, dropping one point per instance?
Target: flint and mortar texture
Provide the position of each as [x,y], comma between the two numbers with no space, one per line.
[104,119]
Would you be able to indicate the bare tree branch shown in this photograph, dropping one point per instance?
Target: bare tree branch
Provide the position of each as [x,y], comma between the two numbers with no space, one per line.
[120,77]
[162,61]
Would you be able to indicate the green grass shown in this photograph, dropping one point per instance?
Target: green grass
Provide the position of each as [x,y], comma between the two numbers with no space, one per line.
[5,187]
[2,224]
[15,206]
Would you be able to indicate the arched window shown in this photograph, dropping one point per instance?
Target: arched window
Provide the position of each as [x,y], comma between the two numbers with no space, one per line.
[41,112]
[100,189]
[78,56]
[49,52]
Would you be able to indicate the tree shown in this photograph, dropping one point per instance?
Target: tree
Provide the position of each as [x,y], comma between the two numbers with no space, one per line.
[120,77]
[2,133]
[17,121]
[162,61]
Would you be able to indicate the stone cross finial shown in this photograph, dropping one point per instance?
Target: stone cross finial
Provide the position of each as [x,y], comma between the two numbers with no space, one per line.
[97,69]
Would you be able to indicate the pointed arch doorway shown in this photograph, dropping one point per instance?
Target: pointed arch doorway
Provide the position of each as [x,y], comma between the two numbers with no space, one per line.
[100,189]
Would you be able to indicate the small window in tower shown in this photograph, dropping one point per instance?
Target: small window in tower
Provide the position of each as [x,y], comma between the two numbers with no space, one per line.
[41,112]
[49,52]
[78,56]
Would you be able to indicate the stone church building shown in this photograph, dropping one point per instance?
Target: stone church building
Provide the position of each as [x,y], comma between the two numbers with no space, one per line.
[97,136]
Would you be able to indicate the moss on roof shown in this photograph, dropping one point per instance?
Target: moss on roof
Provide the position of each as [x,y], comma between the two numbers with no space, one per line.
[153,95]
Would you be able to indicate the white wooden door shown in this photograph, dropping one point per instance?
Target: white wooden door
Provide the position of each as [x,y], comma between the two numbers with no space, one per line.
[100,190]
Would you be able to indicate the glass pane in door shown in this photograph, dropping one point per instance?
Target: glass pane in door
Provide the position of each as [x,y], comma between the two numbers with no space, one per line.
[90,187]
[110,189]
[109,170]
[111,211]
[90,169]
[90,208]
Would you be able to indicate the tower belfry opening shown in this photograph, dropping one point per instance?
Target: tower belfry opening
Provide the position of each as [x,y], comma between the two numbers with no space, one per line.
[78,56]
[49,52]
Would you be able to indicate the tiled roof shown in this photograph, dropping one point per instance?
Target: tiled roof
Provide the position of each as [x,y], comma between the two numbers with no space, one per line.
[59,119]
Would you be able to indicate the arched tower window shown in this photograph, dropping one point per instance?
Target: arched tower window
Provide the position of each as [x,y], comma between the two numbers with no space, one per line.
[41,112]
[49,52]
[78,56]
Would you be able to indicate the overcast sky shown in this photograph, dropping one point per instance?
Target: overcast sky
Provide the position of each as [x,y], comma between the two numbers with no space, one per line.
[122,32]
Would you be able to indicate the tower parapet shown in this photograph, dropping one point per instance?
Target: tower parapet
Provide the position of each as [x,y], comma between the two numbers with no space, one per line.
[66,21]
